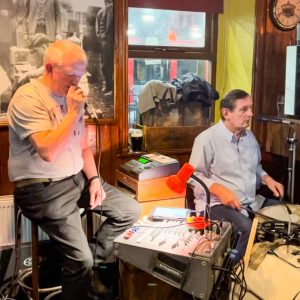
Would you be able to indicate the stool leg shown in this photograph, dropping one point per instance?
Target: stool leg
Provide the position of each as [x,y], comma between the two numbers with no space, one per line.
[18,230]
[14,285]
[35,261]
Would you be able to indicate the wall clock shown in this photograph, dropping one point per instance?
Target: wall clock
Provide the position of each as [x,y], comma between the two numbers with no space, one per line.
[285,14]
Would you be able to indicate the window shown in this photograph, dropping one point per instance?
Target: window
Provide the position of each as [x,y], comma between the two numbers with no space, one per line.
[164,45]
[156,27]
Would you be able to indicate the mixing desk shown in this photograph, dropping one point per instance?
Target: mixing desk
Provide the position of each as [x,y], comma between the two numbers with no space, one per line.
[176,253]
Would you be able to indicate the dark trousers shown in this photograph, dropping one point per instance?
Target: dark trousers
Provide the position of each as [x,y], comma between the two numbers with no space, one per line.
[108,63]
[55,208]
[241,225]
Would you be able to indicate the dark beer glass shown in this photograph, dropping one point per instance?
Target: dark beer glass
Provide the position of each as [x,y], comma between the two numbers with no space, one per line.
[137,140]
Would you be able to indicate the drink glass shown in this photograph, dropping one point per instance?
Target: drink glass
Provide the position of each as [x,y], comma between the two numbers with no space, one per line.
[136,136]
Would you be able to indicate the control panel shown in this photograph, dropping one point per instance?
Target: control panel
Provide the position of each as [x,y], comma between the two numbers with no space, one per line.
[174,237]
[176,253]
[150,166]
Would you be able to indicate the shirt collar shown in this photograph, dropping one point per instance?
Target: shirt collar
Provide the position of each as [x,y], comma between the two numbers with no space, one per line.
[229,136]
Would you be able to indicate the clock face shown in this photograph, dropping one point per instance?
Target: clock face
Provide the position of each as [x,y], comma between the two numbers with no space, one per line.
[285,14]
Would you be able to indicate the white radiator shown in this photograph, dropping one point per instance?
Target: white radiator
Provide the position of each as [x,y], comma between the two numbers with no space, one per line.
[7,229]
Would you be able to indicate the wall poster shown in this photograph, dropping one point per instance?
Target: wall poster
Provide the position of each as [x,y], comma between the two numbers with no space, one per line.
[28,26]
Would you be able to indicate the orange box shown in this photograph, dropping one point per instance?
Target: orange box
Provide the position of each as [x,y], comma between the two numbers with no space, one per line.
[146,190]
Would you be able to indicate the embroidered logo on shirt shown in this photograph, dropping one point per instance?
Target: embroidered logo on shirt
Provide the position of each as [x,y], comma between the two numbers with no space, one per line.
[76,132]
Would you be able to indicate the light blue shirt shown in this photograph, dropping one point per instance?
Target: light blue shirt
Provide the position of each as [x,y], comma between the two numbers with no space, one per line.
[218,156]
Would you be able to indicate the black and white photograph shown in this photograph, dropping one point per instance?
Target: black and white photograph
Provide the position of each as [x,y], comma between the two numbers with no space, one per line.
[27,27]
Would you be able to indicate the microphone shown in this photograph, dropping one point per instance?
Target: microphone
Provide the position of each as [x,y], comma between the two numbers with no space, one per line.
[178,182]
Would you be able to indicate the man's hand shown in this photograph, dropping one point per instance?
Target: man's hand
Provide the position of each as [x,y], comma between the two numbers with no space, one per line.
[75,100]
[276,187]
[97,194]
[226,196]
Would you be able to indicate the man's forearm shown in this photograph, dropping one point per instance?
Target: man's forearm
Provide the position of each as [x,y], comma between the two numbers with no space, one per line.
[49,144]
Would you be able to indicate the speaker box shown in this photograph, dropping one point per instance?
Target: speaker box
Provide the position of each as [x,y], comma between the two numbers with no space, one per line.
[7,261]
[136,284]
[49,258]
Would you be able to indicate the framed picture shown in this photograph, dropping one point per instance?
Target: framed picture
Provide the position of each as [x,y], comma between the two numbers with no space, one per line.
[26,31]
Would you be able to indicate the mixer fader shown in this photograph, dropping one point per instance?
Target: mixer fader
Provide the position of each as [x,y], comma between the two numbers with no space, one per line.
[171,236]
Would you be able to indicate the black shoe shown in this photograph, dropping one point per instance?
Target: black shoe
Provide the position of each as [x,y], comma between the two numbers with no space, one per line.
[97,286]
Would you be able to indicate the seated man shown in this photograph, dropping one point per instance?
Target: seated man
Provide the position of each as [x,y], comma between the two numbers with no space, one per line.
[227,158]
[53,168]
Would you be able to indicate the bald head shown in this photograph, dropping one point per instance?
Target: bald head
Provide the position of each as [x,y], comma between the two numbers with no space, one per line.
[64,64]
[64,51]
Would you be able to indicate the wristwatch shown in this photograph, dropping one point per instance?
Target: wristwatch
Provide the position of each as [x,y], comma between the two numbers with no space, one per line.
[93,178]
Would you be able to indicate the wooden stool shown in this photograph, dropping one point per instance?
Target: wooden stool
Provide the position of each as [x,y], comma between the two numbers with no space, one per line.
[34,291]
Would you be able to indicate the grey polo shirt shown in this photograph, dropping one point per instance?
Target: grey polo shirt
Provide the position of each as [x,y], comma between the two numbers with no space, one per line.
[32,109]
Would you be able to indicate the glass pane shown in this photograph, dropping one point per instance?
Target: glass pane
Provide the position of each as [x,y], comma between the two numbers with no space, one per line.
[142,70]
[156,27]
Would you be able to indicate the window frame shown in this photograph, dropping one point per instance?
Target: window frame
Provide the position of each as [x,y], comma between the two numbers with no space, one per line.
[209,52]
[173,52]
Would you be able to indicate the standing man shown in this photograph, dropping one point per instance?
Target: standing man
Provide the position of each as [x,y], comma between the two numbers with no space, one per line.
[105,31]
[227,158]
[53,168]
[43,16]
[7,13]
